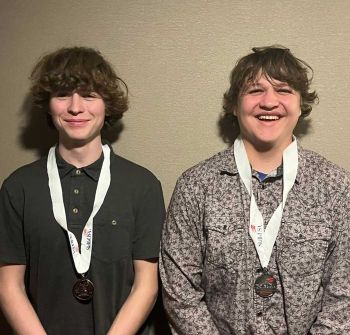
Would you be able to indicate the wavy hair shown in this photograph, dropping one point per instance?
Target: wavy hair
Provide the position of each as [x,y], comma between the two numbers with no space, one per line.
[82,70]
[273,62]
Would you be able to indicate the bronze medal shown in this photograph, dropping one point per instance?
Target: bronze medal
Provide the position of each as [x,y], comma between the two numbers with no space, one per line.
[83,289]
[265,285]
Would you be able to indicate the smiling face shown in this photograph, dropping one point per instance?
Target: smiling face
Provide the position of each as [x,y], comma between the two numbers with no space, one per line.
[78,118]
[267,112]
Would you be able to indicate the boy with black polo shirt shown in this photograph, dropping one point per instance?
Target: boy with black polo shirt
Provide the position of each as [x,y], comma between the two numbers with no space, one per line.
[79,229]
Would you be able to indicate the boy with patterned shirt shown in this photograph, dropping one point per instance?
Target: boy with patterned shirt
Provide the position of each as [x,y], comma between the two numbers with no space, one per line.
[256,239]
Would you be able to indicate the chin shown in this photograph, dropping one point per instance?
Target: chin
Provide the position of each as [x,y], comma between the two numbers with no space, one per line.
[267,143]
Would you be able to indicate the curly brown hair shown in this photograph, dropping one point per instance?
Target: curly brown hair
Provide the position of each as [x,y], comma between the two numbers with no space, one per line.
[273,62]
[82,70]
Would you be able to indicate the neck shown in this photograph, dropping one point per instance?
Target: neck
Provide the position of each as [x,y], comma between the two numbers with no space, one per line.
[264,160]
[81,155]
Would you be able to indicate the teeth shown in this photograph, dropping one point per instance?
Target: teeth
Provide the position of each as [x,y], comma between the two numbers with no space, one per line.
[268,117]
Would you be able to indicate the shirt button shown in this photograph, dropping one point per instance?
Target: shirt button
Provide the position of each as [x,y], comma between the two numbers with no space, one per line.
[114,222]
[75,210]
[76,191]
[78,172]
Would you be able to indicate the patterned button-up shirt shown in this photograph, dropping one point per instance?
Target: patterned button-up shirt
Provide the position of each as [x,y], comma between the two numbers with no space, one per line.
[209,264]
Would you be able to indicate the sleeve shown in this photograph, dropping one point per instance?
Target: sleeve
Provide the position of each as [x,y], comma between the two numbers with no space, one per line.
[334,316]
[181,263]
[149,222]
[12,249]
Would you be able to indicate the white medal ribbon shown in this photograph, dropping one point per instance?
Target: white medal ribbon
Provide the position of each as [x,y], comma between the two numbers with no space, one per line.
[81,259]
[265,239]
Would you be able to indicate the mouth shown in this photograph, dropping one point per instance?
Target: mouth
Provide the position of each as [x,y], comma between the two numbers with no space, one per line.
[268,117]
[77,123]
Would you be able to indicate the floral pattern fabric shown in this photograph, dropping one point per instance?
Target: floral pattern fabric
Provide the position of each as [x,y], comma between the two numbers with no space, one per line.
[208,262]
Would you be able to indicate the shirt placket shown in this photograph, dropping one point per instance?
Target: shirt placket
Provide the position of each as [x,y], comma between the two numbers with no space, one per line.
[75,214]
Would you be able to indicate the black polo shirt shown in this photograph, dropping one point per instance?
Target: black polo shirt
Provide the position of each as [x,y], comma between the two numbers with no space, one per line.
[127,227]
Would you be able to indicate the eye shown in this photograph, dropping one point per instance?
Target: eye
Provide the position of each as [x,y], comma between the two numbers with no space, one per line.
[91,96]
[285,90]
[254,90]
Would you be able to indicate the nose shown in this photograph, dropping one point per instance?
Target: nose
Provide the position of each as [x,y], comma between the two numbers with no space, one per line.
[269,100]
[76,104]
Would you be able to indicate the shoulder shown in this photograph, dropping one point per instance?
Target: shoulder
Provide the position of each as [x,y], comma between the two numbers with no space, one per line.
[207,170]
[27,174]
[316,168]
[131,172]
[28,181]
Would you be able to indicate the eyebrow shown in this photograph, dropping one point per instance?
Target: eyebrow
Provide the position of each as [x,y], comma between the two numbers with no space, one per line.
[274,84]
[252,84]
[280,84]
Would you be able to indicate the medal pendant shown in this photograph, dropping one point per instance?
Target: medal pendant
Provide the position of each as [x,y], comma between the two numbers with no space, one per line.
[265,286]
[83,289]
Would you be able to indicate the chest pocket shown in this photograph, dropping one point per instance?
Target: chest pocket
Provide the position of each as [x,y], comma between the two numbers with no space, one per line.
[304,250]
[225,240]
[112,239]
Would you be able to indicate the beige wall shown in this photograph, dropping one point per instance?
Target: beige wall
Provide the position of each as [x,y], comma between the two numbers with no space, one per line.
[176,57]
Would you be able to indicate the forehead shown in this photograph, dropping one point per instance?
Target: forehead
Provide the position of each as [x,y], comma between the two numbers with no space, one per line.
[263,80]
[266,80]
